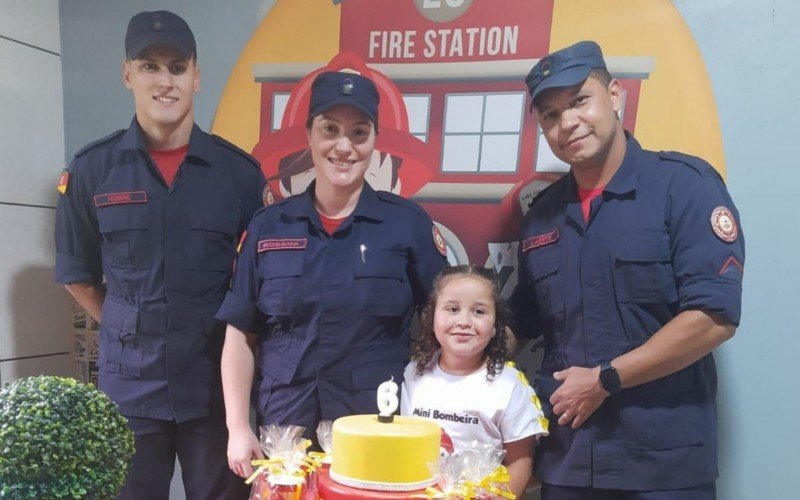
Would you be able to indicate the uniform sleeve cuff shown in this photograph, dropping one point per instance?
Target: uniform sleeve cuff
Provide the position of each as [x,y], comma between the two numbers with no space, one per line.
[71,270]
[241,314]
[719,297]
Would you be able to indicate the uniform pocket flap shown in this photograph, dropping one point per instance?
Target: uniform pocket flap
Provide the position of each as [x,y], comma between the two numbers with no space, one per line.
[123,218]
[281,264]
[277,365]
[226,223]
[544,262]
[119,316]
[642,248]
[380,264]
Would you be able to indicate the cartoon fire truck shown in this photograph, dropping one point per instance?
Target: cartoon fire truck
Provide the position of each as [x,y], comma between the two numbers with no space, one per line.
[456,134]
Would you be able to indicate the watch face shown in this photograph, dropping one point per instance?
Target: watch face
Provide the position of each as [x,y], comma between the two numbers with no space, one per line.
[609,378]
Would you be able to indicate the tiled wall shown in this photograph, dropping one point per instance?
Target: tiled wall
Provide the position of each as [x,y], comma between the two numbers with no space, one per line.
[35,335]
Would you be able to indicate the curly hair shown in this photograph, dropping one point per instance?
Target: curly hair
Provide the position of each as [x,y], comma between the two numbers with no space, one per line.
[496,351]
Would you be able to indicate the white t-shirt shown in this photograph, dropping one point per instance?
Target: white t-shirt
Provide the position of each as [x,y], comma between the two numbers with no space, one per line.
[471,407]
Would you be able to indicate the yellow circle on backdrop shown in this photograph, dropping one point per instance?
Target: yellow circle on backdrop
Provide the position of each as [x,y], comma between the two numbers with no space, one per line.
[676,105]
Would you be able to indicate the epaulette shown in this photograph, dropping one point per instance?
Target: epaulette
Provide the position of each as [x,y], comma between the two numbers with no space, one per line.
[399,200]
[541,193]
[277,203]
[699,165]
[100,141]
[236,149]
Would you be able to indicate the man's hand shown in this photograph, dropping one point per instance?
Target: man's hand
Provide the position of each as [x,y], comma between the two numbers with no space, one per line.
[579,395]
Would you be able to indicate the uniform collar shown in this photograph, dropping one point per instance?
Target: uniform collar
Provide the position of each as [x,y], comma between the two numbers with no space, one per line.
[627,175]
[368,205]
[201,145]
[622,183]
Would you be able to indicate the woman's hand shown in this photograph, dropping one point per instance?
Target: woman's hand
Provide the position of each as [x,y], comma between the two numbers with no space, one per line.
[243,446]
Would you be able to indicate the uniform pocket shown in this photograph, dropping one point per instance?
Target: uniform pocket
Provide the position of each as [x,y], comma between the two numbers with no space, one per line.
[662,425]
[643,269]
[125,231]
[381,287]
[214,245]
[543,266]
[280,272]
[278,359]
[123,349]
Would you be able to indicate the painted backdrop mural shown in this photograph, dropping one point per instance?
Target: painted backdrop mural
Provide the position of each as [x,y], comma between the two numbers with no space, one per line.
[455,132]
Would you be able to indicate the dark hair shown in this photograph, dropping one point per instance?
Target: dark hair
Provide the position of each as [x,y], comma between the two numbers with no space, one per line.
[602,75]
[496,350]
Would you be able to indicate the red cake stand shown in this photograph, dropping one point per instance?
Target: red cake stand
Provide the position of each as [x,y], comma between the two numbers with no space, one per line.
[331,490]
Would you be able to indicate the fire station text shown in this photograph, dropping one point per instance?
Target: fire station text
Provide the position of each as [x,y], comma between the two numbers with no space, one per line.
[456,42]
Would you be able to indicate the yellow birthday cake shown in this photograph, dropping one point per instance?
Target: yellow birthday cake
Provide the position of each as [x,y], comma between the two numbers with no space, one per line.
[384,456]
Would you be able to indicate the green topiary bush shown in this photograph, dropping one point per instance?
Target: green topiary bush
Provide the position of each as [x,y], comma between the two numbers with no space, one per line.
[60,438]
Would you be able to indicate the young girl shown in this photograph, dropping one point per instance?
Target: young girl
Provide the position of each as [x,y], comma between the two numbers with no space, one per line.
[459,377]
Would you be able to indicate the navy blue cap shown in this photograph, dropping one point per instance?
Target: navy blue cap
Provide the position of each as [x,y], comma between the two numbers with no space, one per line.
[149,28]
[564,68]
[332,88]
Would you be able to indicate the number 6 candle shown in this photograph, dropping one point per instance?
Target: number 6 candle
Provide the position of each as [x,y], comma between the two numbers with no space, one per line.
[387,401]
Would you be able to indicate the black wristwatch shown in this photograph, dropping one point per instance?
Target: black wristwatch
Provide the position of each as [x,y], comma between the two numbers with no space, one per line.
[609,378]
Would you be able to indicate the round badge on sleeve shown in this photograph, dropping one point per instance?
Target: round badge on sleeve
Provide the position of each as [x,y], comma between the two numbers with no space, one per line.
[267,196]
[724,224]
[438,240]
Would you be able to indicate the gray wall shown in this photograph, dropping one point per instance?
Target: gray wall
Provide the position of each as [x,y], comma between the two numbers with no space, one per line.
[35,325]
[751,53]
[95,101]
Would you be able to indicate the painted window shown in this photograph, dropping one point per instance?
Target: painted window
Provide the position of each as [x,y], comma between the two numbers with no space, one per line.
[418,107]
[482,132]
[279,100]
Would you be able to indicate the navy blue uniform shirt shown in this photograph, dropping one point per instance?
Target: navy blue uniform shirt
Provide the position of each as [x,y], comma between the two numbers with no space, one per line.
[662,238]
[332,312]
[167,254]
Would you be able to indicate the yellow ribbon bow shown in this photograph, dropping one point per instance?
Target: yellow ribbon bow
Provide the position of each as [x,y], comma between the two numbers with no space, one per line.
[498,476]
[318,458]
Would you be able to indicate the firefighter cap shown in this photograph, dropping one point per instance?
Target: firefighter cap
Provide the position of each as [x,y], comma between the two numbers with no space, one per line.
[564,68]
[332,88]
[161,26]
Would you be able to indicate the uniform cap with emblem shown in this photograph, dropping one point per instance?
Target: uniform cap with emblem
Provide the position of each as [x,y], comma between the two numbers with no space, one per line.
[161,26]
[564,68]
[332,88]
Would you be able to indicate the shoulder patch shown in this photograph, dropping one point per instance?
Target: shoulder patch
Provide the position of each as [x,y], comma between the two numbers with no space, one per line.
[267,196]
[699,165]
[63,182]
[100,141]
[438,240]
[399,200]
[236,149]
[724,224]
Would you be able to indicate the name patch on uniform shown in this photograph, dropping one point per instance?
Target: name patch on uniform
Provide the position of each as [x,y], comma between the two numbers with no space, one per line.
[279,244]
[540,240]
[103,200]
